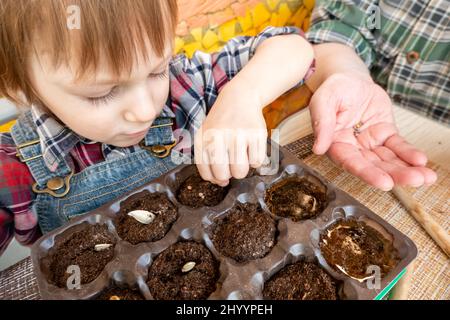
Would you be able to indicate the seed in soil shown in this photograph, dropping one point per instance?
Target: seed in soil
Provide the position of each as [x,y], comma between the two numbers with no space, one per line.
[145,206]
[142,216]
[167,281]
[195,192]
[188,266]
[79,249]
[296,198]
[301,281]
[244,233]
[351,247]
[102,246]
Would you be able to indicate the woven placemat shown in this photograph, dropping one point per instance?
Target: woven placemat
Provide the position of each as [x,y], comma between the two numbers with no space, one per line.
[431,279]
[18,282]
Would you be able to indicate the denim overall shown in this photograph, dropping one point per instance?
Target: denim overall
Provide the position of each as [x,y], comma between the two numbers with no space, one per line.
[63,194]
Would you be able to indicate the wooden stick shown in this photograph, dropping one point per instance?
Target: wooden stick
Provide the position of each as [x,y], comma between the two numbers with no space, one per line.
[401,289]
[439,235]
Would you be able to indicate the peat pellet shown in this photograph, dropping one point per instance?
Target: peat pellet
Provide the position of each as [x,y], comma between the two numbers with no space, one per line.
[301,281]
[158,205]
[245,233]
[116,293]
[296,198]
[351,247]
[184,271]
[90,249]
[195,192]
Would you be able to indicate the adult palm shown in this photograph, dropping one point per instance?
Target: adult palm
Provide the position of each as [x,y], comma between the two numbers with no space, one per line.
[374,151]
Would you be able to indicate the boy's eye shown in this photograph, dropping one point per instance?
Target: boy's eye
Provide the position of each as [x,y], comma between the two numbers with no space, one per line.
[114,91]
[162,75]
[104,99]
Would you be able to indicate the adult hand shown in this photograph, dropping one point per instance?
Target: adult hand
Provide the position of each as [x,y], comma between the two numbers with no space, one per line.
[353,123]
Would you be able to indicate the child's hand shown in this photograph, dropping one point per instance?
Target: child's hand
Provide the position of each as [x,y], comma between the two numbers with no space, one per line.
[233,137]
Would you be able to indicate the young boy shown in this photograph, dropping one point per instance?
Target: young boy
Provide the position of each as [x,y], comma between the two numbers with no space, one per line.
[103,101]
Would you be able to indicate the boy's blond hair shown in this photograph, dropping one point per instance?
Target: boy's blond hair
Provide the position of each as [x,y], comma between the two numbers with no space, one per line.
[114,30]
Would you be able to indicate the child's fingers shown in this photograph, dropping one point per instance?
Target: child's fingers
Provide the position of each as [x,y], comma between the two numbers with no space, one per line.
[218,158]
[204,169]
[257,150]
[323,117]
[205,147]
[221,173]
[238,157]
[201,157]
[203,165]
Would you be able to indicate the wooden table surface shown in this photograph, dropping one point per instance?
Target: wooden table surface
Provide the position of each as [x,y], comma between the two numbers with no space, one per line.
[427,135]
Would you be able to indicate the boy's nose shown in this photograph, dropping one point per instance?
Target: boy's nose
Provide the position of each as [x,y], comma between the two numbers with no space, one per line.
[141,108]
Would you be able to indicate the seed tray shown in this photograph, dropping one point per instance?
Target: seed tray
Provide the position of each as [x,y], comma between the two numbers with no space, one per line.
[295,241]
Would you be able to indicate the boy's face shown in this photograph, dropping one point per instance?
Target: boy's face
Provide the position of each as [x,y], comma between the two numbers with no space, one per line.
[101,108]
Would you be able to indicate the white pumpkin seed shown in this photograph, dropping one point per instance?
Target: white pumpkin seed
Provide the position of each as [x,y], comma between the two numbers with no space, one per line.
[314,207]
[188,266]
[142,216]
[102,246]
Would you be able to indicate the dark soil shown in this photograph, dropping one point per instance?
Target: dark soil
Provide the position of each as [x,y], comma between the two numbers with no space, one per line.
[78,249]
[115,293]
[195,192]
[354,246]
[245,233]
[133,231]
[167,281]
[301,281]
[296,198]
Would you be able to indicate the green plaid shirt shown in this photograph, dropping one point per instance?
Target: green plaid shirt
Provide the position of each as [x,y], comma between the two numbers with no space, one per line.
[408,53]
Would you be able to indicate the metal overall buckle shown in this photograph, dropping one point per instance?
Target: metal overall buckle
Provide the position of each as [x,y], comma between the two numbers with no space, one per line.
[159,151]
[162,150]
[27,144]
[54,184]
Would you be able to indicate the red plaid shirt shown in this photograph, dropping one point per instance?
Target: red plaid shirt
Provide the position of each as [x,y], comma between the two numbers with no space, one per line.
[16,217]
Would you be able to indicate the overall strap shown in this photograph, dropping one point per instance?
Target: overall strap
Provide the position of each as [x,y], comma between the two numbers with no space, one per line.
[29,151]
[160,139]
